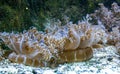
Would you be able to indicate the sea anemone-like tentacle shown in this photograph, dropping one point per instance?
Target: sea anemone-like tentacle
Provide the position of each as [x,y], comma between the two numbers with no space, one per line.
[75,55]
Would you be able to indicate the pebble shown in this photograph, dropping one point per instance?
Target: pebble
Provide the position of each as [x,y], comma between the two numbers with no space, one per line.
[48,72]
[109,59]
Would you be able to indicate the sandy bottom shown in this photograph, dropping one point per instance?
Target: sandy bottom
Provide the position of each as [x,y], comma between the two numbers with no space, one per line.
[104,61]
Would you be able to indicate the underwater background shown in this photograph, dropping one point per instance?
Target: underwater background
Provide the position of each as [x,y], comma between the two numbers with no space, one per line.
[59,36]
[19,15]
